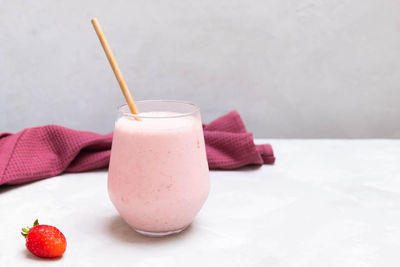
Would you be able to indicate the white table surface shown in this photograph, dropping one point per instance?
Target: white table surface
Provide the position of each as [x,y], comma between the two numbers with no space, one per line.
[324,203]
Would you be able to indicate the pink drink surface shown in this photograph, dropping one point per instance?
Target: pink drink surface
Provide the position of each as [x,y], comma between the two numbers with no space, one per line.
[158,177]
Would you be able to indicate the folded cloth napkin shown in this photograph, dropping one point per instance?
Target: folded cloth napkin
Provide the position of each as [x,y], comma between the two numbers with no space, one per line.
[46,151]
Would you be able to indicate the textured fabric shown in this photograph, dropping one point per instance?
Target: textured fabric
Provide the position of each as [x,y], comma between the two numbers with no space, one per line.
[41,152]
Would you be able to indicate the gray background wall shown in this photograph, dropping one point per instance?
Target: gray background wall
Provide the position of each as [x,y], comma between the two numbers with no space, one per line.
[293,68]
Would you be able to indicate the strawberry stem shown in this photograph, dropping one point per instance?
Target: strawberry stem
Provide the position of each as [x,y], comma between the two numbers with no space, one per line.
[26,230]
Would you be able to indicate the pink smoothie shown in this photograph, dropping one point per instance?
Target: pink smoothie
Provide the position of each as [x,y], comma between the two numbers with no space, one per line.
[158,176]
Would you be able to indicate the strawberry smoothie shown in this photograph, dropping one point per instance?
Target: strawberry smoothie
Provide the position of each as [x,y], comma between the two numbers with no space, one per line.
[158,177]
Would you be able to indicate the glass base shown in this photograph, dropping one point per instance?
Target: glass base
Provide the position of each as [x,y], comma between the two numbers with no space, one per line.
[160,234]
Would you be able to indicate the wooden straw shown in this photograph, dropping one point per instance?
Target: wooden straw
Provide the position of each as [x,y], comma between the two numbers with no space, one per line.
[114,66]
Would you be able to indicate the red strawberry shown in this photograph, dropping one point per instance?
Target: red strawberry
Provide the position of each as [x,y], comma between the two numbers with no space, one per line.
[44,240]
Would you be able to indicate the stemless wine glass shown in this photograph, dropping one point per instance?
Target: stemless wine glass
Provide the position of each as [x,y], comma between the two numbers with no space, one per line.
[158,177]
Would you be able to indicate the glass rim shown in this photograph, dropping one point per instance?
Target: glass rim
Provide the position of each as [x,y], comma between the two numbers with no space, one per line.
[179,115]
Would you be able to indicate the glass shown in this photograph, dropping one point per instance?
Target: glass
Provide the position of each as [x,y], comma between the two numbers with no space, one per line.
[158,177]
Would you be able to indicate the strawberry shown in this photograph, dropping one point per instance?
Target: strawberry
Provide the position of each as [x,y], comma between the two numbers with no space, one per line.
[44,241]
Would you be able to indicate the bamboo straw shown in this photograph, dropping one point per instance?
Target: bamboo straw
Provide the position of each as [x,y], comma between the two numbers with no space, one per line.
[114,66]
